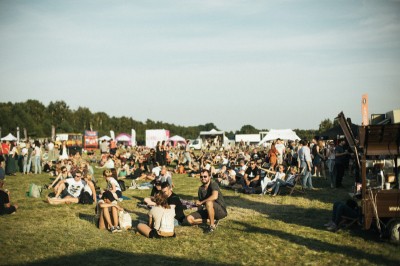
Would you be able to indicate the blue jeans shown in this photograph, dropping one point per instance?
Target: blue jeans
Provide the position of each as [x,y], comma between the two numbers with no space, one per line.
[27,165]
[38,166]
[307,180]
[341,209]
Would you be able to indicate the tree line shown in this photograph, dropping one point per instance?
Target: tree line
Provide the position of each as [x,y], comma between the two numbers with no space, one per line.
[38,120]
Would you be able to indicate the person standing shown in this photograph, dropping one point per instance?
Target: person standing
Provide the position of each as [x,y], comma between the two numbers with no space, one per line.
[340,160]
[37,159]
[330,154]
[306,165]
[11,166]
[280,147]
[211,203]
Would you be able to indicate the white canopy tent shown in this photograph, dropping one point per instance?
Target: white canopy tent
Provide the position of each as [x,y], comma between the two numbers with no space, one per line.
[284,134]
[177,139]
[9,137]
[106,138]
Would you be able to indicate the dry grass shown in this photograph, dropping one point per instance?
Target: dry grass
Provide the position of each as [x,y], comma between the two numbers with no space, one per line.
[258,231]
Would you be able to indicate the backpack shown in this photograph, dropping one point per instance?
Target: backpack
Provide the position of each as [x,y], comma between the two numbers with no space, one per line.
[125,220]
[34,191]
[85,198]
[122,185]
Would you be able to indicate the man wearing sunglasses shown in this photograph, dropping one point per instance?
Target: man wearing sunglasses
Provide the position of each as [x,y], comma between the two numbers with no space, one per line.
[211,204]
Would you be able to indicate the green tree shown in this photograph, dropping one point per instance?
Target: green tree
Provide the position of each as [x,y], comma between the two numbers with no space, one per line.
[325,125]
[248,129]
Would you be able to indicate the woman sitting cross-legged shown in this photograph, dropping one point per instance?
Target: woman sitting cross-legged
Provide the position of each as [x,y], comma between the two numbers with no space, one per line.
[161,219]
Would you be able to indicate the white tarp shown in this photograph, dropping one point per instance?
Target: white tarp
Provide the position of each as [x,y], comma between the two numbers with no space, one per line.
[9,137]
[155,135]
[247,138]
[284,134]
[212,132]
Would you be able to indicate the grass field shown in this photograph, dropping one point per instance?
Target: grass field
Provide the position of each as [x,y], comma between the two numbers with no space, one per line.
[285,230]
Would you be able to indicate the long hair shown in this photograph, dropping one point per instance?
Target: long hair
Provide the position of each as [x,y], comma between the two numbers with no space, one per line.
[161,200]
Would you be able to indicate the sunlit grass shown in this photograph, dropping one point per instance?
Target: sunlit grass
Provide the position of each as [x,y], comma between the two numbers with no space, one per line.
[260,230]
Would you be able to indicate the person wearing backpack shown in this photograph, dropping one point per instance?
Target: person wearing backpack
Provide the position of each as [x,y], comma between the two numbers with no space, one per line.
[161,220]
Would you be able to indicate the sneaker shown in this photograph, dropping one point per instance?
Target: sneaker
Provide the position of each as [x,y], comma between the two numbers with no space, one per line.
[210,229]
[113,230]
[329,224]
[118,229]
[332,228]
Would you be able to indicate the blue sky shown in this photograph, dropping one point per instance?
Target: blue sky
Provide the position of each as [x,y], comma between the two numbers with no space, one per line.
[270,64]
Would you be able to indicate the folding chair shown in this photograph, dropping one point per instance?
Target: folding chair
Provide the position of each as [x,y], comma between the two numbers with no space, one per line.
[347,222]
[297,180]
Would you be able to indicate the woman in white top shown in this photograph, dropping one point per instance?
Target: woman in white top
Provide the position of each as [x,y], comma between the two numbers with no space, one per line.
[37,159]
[269,185]
[161,219]
[112,183]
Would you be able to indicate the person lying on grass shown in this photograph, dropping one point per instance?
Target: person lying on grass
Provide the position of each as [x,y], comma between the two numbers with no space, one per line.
[107,212]
[68,194]
[161,219]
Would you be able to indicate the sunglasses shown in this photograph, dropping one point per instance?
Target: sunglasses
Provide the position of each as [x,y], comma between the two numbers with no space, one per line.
[78,176]
[203,176]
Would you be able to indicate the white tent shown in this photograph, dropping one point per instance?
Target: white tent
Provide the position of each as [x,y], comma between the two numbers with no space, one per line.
[177,138]
[9,137]
[123,137]
[284,134]
[106,138]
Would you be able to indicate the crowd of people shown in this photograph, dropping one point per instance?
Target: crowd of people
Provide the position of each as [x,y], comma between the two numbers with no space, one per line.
[244,168]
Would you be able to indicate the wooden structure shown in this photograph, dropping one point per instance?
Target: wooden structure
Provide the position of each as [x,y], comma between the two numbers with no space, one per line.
[379,204]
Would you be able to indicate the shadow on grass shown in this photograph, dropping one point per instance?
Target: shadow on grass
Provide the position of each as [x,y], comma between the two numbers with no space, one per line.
[320,246]
[113,257]
[290,214]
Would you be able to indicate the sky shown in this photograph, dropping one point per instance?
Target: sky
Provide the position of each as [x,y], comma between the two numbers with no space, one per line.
[269,64]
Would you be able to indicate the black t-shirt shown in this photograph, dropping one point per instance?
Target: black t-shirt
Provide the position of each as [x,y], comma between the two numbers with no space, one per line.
[252,173]
[4,199]
[175,200]
[137,173]
[204,194]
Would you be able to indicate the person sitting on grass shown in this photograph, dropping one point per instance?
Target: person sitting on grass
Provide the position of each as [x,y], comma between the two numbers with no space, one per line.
[88,195]
[251,177]
[161,220]
[62,176]
[268,184]
[281,181]
[107,212]
[112,183]
[211,203]
[5,205]
[69,190]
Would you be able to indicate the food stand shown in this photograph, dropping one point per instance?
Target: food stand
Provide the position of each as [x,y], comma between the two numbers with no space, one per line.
[378,148]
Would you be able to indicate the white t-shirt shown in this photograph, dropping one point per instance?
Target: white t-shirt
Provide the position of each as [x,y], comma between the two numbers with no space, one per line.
[74,187]
[111,181]
[280,148]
